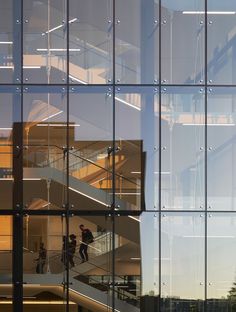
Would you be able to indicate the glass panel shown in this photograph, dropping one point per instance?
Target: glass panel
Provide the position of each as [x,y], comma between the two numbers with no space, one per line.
[45,41]
[137,36]
[182,261]
[42,246]
[5,263]
[137,136]
[183,23]
[127,263]
[9,117]
[45,116]
[221,265]
[149,239]
[182,172]
[90,135]
[10,43]
[221,167]
[221,42]
[90,42]
[90,261]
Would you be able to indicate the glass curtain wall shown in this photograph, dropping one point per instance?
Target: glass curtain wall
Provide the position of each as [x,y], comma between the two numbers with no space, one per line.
[117,149]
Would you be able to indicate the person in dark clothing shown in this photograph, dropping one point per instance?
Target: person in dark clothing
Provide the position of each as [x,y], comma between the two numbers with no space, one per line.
[63,251]
[87,238]
[41,260]
[71,250]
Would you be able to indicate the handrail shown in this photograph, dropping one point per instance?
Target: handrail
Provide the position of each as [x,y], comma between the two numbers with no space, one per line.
[80,157]
[85,159]
[123,293]
[110,171]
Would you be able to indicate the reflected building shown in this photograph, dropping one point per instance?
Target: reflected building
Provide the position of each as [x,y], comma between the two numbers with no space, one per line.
[118,115]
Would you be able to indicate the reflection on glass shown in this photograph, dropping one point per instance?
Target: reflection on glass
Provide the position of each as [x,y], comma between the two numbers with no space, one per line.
[182,47]
[44,41]
[44,157]
[127,262]
[90,45]
[149,244]
[9,41]
[90,158]
[137,33]
[9,117]
[221,42]
[182,172]
[182,261]
[221,169]
[221,265]
[6,263]
[137,118]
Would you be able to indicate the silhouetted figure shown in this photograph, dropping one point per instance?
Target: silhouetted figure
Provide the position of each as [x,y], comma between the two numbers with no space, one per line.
[63,251]
[71,250]
[41,260]
[87,238]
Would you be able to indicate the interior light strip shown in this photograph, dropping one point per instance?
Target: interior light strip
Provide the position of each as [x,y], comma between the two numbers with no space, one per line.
[6,42]
[57,50]
[134,218]
[53,115]
[123,193]
[210,12]
[99,180]
[78,80]
[25,67]
[58,27]
[127,103]
[6,129]
[25,179]
[90,197]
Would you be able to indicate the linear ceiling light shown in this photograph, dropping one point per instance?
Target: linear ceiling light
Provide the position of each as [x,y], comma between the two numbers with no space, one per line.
[127,103]
[134,218]
[90,197]
[6,42]
[32,179]
[25,67]
[210,12]
[123,193]
[57,50]
[6,129]
[53,115]
[58,27]
[78,80]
